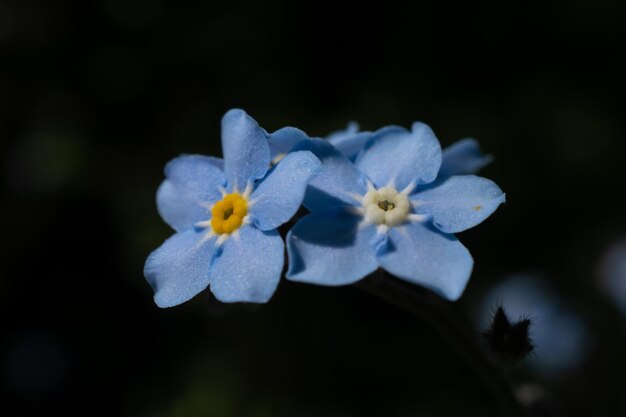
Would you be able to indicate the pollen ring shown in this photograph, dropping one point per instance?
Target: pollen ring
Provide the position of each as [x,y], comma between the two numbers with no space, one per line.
[228,213]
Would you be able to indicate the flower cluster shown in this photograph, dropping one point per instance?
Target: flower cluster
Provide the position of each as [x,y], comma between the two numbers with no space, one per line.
[391,199]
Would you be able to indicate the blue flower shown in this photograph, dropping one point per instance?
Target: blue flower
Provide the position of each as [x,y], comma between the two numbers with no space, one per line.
[225,213]
[388,210]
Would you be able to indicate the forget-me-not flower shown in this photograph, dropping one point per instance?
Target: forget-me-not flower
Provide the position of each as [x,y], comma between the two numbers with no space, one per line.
[386,210]
[225,213]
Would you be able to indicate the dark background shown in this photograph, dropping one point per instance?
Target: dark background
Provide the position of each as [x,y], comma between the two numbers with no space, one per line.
[95,97]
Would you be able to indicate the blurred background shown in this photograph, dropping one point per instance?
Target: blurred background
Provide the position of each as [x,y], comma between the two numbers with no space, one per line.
[95,97]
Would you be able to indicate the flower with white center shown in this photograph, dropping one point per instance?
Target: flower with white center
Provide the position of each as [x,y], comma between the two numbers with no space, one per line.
[388,209]
[225,213]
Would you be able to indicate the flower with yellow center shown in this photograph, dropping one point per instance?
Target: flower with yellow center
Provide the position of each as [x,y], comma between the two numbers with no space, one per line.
[226,214]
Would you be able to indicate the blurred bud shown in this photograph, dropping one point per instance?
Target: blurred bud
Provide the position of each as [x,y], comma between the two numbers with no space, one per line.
[510,341]
[560,337]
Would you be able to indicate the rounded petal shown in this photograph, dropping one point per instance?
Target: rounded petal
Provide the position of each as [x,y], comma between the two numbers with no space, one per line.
[463,158]
[283,140]
[192,183]
[349,141]
[338,183]
[216,162]
[277,198]
[399,157]
[245,147]
[458,203]
[421,255]
[350,130]
[179,268]
[249,267]
[329,248]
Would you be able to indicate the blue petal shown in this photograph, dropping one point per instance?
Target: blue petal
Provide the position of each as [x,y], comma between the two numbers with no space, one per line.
[249,267]
[350,130]
[279,195]
[327,248]
[424,256]
[338,183]
[192,183]
[458,203]
[349,141]
[398,157]
[245,147]
[463,158]
[179,269]
[283,140]
[216,162]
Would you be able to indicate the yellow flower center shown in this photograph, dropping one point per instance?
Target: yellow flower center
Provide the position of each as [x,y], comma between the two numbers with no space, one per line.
[228,214]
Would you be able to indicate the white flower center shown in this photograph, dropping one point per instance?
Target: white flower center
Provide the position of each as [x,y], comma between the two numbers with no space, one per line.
[386,206]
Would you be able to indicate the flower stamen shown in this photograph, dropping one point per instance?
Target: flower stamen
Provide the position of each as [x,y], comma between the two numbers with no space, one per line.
[386,206]
[228,214]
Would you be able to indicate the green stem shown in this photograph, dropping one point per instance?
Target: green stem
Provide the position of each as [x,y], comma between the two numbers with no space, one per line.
[436,312]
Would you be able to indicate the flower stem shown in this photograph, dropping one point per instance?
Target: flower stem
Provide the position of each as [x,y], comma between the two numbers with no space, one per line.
[435,311]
